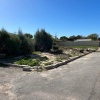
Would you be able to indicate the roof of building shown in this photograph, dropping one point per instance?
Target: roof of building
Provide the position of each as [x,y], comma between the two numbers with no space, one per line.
[83,40]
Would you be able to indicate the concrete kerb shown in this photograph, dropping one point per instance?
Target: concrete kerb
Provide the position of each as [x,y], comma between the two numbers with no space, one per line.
[15,65]
[29,68]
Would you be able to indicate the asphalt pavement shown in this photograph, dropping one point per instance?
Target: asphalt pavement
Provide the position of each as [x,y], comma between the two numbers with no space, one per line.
[78,80]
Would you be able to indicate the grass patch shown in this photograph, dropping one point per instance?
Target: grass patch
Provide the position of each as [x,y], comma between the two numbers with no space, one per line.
[44,58]
[48,63]
[30,62]
[73,55]
[36,52]
[58,59]
[79,47]
[84,47]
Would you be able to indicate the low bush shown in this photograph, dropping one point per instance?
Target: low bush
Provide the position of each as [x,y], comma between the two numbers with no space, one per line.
[30,62]
[34,63]
[55,47]
[59,51]
[44,58]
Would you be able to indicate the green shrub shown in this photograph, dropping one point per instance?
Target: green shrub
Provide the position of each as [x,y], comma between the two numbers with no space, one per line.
[14,45]
[34,63]
[27,44]
[55,47]
[43,40]
[59,51]
[44,58]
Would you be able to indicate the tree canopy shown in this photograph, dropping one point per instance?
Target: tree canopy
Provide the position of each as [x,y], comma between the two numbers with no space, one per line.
[43,40]
[63,38]
[15,44]
[93,36]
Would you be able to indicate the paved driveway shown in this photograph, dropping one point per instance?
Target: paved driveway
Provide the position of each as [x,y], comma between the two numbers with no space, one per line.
[78,80]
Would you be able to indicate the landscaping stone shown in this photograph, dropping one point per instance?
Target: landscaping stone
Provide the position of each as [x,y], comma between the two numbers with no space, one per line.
[27,68]
[35,67]
[49,67]
[40,67]
[91,50]
[55,66]
[82,50]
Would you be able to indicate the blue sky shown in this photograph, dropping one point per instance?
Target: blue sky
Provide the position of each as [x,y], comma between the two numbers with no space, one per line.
[60,17]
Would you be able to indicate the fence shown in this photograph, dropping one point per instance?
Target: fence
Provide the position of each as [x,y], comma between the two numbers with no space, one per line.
[78,43]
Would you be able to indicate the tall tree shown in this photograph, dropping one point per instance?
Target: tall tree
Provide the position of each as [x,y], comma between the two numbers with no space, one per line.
[28,35]
[79,37]
[72,38]
[4,39]
[43,40]
[63,38]
[93,36]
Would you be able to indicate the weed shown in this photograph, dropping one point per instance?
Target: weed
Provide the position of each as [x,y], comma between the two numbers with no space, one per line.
[36,52]
[58,59]
[48,63]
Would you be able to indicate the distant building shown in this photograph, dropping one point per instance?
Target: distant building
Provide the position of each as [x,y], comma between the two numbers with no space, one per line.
[83,40]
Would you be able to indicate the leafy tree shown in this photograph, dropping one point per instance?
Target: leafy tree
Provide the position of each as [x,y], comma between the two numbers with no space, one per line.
[79,37]
[13,44]
[55,39]
[63,38]
[43,40]
[4,39]
[28,35]
[72,38]
[93,36]
[27,44]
